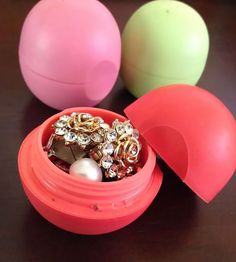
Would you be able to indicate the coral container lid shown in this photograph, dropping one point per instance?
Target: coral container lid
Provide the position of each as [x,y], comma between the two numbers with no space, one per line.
[193,132]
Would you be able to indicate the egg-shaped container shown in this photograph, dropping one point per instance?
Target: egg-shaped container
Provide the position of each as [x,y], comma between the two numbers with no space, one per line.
[190,129]
[164,42]
[79,205]
[69,52]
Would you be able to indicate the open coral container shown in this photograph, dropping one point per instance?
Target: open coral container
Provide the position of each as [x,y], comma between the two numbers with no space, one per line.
[187,126]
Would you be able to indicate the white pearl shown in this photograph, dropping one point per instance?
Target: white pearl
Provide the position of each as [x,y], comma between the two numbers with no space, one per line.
[87,168]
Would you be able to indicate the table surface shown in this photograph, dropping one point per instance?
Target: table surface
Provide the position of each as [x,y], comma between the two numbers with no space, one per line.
[178,226]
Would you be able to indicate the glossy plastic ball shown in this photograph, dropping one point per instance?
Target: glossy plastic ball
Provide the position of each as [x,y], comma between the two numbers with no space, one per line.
[164,42]
[70,52]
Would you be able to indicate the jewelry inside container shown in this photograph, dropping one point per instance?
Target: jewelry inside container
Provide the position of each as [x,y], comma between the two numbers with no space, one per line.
[81,205]
[85,145]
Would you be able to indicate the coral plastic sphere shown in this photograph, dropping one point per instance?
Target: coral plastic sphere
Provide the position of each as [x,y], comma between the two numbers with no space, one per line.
[70,52]
[193,131]
[164,42]
[80,205]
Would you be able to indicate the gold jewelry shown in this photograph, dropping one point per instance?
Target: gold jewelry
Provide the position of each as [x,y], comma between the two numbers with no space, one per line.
[115,148]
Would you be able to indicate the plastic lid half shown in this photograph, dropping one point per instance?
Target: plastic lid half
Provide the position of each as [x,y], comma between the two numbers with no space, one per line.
[193,132]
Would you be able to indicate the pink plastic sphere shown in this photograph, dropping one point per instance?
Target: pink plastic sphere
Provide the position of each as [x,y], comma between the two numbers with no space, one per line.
[70,52]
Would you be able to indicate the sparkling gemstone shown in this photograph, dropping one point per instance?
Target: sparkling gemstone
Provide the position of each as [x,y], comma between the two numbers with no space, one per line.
[136,133]
[97,138]
[70,137]
[111,135]
[106,162]
[108,149]
[60,131]
[104,125]
[129,128]
[120,129]
[101,132]
[134,150]
[99,120]
[64,118]
[84,139]
[85,116]
[115,122]
[112,172]
[60,123]
[129,170]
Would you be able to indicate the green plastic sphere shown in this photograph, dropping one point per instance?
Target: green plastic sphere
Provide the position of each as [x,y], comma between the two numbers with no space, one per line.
[164,42]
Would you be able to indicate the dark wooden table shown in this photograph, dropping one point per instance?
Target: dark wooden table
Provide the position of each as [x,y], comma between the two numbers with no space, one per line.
[178,226]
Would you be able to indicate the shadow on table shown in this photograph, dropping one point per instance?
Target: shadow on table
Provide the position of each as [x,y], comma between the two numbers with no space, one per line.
[35,113]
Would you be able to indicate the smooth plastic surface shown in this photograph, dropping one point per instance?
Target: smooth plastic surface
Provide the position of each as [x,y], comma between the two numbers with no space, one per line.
[164,42]
[192,131]
[70,52]
[79,205]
